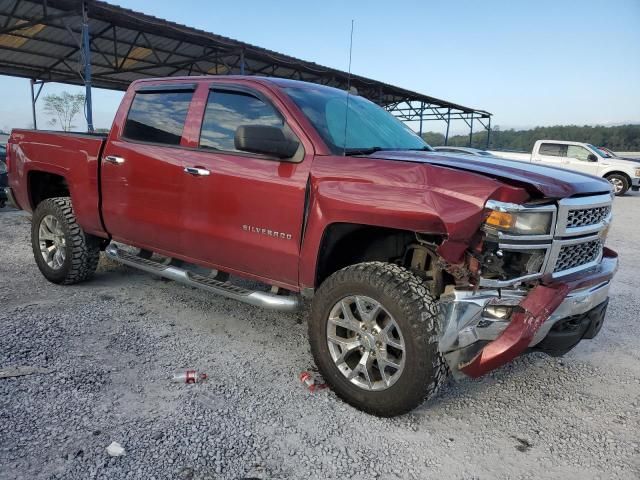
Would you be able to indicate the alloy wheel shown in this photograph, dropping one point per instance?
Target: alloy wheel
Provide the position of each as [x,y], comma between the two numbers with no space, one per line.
[618,185]
[52,242]
[365,343]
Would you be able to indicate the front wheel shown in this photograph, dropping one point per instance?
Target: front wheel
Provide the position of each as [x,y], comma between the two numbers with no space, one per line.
[63,252]
[620,183]
[374,333]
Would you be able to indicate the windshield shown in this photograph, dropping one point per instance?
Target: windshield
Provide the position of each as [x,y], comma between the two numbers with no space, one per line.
[602,153]
[368,127]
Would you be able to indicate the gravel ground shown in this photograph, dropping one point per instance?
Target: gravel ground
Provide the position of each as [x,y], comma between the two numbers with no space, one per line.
[111,345]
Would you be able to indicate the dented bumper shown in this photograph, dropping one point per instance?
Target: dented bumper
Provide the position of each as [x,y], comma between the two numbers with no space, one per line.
[475,342]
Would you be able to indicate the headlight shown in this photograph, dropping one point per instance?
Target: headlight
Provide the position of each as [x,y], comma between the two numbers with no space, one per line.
[637,172]
[518,220]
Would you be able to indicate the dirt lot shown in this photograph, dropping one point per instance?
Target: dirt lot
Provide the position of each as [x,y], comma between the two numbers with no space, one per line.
[111,344]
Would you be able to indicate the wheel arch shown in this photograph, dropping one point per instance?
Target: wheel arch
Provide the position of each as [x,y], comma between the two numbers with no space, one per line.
[344,244]
[43,185]
[622,174]
[618,172]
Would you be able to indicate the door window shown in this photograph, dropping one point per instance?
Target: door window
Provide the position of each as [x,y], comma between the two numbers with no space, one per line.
[578,152]
[553,149]
[157,117]
[226,111]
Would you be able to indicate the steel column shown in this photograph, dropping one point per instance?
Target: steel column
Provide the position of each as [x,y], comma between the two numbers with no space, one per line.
[86,58]
[33,105]
[471,132]
[488,134]
[421,115]
[446,137]
[34,99]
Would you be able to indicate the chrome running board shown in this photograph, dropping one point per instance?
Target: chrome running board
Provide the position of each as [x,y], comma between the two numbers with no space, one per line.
[270,301]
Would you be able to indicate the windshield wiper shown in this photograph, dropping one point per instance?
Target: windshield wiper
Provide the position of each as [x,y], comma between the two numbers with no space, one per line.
[363,151]
[369,150]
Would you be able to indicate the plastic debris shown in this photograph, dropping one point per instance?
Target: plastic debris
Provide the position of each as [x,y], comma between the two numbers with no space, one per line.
[11,372]
[115,449]
[312,381]
[189,376]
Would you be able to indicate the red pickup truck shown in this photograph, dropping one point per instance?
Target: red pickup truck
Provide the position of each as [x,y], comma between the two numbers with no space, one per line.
[418,264]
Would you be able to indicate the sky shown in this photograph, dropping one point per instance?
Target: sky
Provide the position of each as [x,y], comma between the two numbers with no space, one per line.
[528,63]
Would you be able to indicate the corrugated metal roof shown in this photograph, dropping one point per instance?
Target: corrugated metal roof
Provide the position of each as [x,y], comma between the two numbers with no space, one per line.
[39,39]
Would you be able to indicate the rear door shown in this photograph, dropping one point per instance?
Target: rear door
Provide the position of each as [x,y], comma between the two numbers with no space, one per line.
[142,170]
[551,154]
[245,210]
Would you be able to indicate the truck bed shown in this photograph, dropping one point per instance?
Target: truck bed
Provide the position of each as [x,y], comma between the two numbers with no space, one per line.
[71,155]
[522,157]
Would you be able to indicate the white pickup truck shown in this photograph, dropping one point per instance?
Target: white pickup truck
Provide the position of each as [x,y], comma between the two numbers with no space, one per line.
[585,158]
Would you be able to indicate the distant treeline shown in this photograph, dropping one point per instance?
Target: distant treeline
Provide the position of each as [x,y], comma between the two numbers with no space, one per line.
[623,138]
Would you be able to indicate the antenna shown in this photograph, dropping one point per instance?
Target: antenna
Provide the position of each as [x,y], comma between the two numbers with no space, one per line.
[346,111]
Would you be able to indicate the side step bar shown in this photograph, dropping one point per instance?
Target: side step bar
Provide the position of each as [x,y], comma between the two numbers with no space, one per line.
[226,289]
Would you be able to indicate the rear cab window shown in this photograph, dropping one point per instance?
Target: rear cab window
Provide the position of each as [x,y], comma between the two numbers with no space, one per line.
[157,114]
[553,149]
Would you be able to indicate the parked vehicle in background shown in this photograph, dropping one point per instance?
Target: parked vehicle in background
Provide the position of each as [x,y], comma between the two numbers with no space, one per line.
[417,263]
[613,154]
[583,157]
[464,151]
[3,176]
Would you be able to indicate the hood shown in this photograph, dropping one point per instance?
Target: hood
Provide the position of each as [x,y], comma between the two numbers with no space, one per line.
[626,161]
[551,182]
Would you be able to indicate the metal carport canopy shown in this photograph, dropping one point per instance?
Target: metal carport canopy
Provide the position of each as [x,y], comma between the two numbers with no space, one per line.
[43,40]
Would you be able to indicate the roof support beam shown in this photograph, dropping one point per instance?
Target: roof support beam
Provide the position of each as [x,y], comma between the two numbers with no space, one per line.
[11,14]
[31,23]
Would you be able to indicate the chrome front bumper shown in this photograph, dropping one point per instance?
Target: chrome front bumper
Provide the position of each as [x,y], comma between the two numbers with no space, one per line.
[466,325]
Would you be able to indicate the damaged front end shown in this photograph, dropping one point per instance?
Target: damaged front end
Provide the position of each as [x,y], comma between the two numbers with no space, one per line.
[541,280]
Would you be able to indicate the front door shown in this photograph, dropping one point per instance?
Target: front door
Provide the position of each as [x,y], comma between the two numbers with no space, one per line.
[142,171]
[245,211]
[578,159]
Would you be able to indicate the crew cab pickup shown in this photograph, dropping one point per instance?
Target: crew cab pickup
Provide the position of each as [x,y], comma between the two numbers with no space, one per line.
[417,264]
[583,157]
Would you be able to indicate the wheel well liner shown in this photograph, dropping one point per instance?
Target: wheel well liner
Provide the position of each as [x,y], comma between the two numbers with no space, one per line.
[345,244]
[43,185]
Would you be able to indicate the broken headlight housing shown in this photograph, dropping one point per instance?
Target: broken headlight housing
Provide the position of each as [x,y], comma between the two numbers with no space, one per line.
[514,219]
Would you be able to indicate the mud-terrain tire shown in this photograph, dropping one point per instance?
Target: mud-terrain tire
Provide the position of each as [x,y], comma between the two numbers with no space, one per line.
[402,299]
[620,183]
[54,221]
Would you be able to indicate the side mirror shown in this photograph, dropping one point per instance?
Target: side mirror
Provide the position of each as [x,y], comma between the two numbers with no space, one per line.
[592,158]
[265,139]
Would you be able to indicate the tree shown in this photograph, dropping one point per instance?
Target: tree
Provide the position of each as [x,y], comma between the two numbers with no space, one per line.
[63,108]
[623,138]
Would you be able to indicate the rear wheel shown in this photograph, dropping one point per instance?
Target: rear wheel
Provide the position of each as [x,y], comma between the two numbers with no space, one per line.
[63,252]
[374,335]
[620,183]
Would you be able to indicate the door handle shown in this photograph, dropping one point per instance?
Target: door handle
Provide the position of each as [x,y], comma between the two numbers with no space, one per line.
[202,172]
[114,160]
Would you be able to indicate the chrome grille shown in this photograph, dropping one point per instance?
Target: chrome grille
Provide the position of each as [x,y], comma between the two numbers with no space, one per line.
[587,216]
[572,256]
